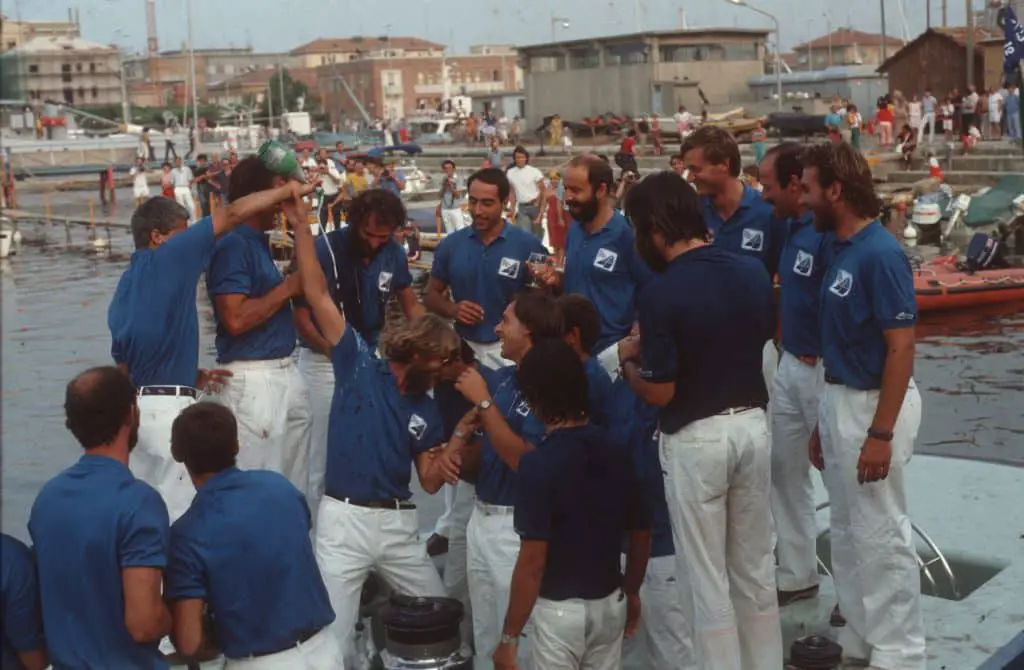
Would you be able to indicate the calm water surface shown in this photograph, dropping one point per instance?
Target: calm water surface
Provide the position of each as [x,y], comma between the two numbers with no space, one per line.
[54,297]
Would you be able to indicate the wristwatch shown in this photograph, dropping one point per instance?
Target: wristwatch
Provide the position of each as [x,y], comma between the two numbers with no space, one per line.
[880,435]
[459,434]
[484,404]
[509,639]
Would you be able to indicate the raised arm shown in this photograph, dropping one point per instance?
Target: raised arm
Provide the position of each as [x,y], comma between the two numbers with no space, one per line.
[226,218]
[329,318]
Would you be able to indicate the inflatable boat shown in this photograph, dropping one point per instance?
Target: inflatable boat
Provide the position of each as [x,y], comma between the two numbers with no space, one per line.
[944,284]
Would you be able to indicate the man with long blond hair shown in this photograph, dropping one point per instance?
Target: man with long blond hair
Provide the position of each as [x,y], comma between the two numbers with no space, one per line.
[382,421]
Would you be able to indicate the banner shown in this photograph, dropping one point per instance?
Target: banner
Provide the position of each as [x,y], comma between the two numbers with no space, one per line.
[1013,47]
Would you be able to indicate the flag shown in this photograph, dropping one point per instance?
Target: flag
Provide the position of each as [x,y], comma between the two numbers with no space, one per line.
[1013,47]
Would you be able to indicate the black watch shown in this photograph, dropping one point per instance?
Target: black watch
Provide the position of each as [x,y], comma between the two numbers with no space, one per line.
[884,436]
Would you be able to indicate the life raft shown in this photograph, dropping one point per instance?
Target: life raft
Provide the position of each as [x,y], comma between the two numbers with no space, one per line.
[941,286]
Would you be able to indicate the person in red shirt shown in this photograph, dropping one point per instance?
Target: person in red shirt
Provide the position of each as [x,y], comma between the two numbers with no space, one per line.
[885,118]
[557,225]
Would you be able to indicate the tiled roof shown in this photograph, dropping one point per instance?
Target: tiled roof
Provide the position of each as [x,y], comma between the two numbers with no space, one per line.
[360,43]
[847,37]
[959,34]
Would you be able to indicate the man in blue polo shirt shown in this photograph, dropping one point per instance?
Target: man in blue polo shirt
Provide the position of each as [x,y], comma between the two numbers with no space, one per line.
[255,333]
[799,382]
[576,496]
[701,364]
[154,327]
[582,331]
[242,550]
[509,430]
[382,422]
[869,414]
[100,538]
[601,262]
[364,267]
[483,265]
[22,646]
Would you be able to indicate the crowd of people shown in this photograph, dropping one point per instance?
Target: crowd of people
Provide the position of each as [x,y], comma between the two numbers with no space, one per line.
[624,442]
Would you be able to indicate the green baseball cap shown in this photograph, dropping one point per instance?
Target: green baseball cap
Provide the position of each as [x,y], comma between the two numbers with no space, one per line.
[281,161]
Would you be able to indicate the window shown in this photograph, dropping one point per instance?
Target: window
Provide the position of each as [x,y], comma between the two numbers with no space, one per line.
[33,69]
[584,59]
[95,92]
[69,96]
[65,74]
[92,68]
[626,54]
[78,67]
[496,75]
[737,51]
[81,93]
[552,63]
[419,77]
[690,53]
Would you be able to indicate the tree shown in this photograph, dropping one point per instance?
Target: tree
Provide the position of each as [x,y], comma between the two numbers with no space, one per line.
[293,90]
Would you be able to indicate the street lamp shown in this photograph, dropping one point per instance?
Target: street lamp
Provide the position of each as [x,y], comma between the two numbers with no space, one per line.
[778,65]
[555,21]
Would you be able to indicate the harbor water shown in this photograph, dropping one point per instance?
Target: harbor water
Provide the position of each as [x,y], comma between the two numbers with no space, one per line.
[55,296]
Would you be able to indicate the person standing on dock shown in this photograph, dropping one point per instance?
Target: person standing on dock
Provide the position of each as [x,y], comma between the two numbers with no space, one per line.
[183,179]
[453,192]
[698,358]
[154,326]
[799,382]
[869,414]
[482,267]
[169,143]
[527,186]
[255,333]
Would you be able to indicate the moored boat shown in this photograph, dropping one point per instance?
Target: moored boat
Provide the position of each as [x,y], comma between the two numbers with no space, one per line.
[943,284]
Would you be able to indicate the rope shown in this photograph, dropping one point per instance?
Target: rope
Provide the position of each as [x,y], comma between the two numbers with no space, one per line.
[981,281]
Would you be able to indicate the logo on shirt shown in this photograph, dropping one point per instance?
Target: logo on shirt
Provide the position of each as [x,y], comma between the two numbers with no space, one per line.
[523,408]
[606,259]
[842,284]
[753,240]
[804,264]
[417,426]
[384,282]
[906,316]
[509,267]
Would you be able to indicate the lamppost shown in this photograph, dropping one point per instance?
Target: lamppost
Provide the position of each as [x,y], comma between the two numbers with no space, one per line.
[555,21]
[778,64]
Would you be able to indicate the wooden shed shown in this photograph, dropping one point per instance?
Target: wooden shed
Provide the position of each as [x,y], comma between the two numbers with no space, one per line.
[937,60]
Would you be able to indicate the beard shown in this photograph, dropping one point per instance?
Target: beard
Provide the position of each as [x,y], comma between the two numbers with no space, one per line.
[649,254]
[584,211]
[418,381]
[824,222]
[360,248]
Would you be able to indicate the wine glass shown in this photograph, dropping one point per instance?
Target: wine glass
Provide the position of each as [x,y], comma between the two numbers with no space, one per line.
[534,263]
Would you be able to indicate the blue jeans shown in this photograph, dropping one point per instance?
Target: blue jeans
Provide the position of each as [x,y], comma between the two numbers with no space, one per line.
[1013,125]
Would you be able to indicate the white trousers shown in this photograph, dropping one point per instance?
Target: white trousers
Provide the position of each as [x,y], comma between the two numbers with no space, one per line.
[271,404]
[320,652]
[489,355]
[579,634]
[927,120]
[662,640]
[769,364]
[492,553]
[456,580]
[351,542]
[874,560]
[183,195]
[453,219]
[318,373]
[151,460]
[795,395]
[717,483]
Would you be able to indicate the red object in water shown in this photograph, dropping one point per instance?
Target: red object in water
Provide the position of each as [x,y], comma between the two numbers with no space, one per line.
[941,286]
[51,121]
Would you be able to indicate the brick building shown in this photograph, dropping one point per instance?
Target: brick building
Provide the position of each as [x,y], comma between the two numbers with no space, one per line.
[253,85]
[844,46]
[327,51]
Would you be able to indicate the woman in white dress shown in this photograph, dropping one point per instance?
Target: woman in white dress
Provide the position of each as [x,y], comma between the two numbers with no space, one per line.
[140,184]
[995,114]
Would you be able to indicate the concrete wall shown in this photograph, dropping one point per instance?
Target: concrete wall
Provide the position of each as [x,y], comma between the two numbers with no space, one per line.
[723,82]
[574,94]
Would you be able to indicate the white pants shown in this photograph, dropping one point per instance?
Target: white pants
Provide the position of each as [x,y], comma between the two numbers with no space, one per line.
[492,553]
[662,640]
[320,652]
[183,195]
[352,541]
[318,373]
[717,482]
[453,219]
[271,404]
[151,460]
[769,364]
[489,355]
[579,634]
[927,120]
[456,581]
[794,414]
[874,560]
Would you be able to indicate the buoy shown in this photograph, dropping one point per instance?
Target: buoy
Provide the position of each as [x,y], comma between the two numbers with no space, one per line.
[910,232]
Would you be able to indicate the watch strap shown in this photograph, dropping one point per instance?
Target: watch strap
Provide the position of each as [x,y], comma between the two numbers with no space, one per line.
[509,639]
[882,435]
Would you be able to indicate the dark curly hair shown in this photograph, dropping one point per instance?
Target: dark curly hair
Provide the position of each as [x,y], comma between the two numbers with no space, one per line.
[552,379]
[384,207]
[840,162]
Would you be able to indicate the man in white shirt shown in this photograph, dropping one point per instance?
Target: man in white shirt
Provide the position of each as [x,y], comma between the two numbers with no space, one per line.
[453,192]
[995,115]
[527,185]
[331,180]
[181,176]
[684,122]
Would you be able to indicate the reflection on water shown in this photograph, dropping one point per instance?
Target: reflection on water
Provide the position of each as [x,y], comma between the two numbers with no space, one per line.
[54,325]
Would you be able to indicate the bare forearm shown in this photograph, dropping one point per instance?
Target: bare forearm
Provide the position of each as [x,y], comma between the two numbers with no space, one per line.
[438,302]
[257,311]
[636,560]
[243,209]
[523,594]
[309,332]
[899,366]
[643,388]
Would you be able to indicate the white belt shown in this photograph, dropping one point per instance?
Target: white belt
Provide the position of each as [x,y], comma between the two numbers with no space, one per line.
[494,510]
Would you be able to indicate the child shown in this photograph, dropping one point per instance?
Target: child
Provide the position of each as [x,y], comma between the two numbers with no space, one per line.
[971,139]
[946,112]
[758,138]
[854,121]
[567,140]
[166,181]
[906,142]
[752,177]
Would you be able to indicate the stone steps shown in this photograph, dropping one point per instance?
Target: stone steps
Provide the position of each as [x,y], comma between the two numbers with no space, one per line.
[971,178]
[975,163]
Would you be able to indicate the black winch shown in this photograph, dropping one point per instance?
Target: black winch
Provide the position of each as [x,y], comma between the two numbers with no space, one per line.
[815,652]
[422,634]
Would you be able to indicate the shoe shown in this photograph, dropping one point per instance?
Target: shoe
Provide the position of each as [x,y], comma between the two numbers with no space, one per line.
[790,597]
[437,545]
[837,620]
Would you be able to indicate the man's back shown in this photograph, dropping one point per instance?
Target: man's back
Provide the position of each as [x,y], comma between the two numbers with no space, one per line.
[88,524]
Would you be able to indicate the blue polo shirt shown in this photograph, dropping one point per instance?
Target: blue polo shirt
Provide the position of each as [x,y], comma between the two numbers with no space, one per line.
[374,432]
[243,547]
[752,230]
[21,623]
[708,341]
[495,481]
[604,266]
[868,289]
[242,265]
[603,409]
[154,327]
[488,275]
[574,477]
[87,524]
[801,267]
[452,405]
[359,288]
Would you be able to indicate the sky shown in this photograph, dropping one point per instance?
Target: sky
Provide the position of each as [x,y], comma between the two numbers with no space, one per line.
[276,25]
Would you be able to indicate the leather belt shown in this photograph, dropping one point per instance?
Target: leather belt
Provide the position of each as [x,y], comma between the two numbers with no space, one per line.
[303,637]
[388,503]
[832,379]
[736,410]
[175,391]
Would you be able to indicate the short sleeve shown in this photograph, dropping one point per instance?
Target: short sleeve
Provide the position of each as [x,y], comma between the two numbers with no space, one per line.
[533,430]
[657,344]
[189,251]
[185,578]
[22,615]
[229,269]
[638,512]
[349,355]
[145,530]
[402,278]
[442,257]
[893,299]
[426,428]
[533,499]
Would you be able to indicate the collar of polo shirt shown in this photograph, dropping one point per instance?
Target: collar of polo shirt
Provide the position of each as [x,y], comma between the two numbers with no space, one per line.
[501,233]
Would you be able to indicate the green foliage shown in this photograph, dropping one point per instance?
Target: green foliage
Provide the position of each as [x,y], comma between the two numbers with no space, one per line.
[293,90]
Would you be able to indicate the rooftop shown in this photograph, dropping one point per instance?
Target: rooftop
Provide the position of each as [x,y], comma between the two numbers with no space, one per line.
[957,35]
[44,45]
[261,77]
[650,34]
[362,43]
[848,37]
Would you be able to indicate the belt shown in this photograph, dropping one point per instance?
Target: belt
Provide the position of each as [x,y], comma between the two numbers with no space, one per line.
[303,637]
[187,391]
[387,503]
[832,379]
[736,410]
[493,510]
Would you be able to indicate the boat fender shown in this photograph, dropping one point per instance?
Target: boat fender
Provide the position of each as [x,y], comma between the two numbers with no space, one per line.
[815,652]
